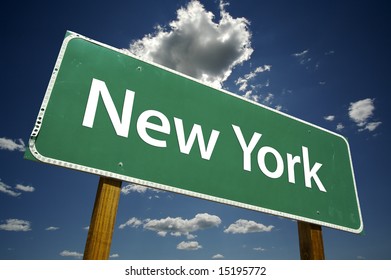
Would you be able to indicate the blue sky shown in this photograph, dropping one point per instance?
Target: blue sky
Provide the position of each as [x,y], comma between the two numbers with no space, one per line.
[323,62]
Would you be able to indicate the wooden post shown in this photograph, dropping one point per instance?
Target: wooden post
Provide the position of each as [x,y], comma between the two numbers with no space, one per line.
[311,241]
[103,219]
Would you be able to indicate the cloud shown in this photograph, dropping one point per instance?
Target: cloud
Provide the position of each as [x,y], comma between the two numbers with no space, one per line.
[4,188]
[245,226]
[133,222]
[259,249]
[12,145]
[25,188]
[301,54]
[218,256]
[371,126]
[52,228]
[178,226]
[198,45]
[191,245]
[136,188]
[114,256]
[67,253]
[8,190]
[329,118]
[340,126]
[361,111]
[243,81]
[16,225]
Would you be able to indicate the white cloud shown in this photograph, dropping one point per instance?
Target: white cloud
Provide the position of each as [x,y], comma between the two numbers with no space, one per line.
[278,107]
[67,253]
[4,188]
[12,145]
[114,256]
[371,126]
[301,54]
[137,188]
[259,249]
[190,245]
[16,225]
[218,256]
[360,111]
[245,226]
[340,126]
[52,228]
[176,226]
[25,188]
[243,81]
[199,45]
[329,118]
[133,222]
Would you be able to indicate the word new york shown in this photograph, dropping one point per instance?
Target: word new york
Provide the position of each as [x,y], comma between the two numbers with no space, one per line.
[121,126]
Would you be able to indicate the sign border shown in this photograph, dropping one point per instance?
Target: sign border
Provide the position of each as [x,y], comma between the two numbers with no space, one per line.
[36,155]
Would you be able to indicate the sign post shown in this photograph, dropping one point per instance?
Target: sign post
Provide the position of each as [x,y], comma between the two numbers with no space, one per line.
[310,241]
[102,220]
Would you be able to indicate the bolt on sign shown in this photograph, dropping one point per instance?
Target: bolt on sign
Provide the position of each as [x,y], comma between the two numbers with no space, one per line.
[109,113]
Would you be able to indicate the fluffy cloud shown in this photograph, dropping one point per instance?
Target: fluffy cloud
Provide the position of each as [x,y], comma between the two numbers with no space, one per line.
[199,45]
[371,126]
[114,256]
[245,226]
[361,111]
[16,225]
[259,249]
[191,245]
[12,145]
[67,253]
[176,226]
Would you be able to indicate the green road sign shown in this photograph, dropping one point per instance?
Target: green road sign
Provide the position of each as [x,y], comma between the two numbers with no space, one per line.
[109,113]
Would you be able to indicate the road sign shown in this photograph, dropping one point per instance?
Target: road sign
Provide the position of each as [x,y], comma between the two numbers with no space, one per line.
[109,113]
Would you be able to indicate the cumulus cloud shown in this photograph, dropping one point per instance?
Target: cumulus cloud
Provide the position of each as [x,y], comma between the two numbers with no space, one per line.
[245,226]
[112,256]
[329,118]
[176,226]
[198,44]
[179,226]
[16,225]
[12,145]
[361,112]
[191,245]
[73,254]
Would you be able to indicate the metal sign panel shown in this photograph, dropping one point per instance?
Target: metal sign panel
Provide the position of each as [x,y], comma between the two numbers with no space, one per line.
[112,114]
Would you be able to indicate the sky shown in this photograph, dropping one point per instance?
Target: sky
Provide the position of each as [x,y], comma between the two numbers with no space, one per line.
[325,62]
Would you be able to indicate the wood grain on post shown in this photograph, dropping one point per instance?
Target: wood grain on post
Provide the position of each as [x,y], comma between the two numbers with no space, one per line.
[103,219]
[311,241]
